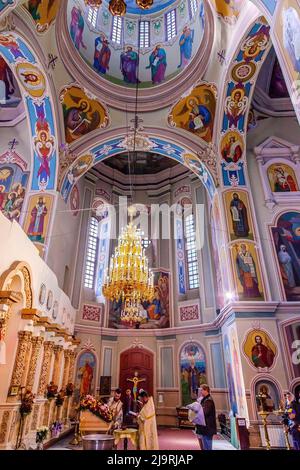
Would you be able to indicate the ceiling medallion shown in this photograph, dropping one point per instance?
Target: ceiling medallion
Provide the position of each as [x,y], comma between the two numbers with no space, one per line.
[118,7]
[93,3]
[144,4]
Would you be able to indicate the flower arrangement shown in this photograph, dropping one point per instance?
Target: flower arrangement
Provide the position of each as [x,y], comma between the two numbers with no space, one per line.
[60,398]
[69,389]
[27,400]
[98,408]
[41,434]
[56,428]
[51,390]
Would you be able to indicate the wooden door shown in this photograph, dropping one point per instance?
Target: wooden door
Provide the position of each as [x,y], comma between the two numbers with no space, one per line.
[136,360]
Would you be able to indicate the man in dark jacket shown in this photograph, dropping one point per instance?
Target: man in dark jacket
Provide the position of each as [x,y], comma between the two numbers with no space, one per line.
[205,433]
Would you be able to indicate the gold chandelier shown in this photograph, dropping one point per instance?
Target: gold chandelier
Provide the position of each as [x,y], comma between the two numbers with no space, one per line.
[129,278]
[118,7]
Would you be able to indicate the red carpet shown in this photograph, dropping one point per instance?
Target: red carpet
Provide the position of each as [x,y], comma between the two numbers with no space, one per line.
[175,439]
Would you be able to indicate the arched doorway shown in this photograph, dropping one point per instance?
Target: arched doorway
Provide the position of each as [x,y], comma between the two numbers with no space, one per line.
[136,362]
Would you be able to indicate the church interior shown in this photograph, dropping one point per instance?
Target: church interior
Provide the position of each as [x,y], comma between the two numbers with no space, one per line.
[150,220]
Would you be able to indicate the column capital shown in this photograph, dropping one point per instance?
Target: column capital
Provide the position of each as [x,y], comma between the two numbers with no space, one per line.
[48,345]
[25,335]
[57,349]
[37,340]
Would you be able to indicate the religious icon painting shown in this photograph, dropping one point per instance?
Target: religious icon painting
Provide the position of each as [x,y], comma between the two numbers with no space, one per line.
[82,114]
[31,79]
[291,337]
[267,396]
[55,310]
[232,148]
[43,12]
[247,271]
[192,370]
[260,349]
[42,294]
[282,178]
[286,28]
[85,374]
[38,218]
[77,169]
[286,237]
[196,112]
[75,200]
[49,300]
[238,215]
[228,11]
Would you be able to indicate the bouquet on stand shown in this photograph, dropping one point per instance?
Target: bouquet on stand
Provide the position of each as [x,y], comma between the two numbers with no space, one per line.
[56,428]
[96,407]
[60,398]
[41,435]
[52,391]
[27,400]
[69,389]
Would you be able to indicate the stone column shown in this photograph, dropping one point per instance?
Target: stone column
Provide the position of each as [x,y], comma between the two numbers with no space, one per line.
[65,380]
[18,371]
[37,342]
[57,362]
[45,371]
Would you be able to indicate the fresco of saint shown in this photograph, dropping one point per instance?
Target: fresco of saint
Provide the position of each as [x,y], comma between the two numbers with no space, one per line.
[186,46]
[158,64]
[129,64]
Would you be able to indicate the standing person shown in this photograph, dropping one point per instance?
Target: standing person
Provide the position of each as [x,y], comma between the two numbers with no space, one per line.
[206,432]
[128,407]
[116,407]
[148,438]
[196,416]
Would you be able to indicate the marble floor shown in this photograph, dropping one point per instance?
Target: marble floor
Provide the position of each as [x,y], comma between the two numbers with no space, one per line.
[169,439]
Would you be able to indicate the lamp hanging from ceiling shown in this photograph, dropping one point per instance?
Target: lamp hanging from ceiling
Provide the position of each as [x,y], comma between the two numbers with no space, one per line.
[118,7]
[129,278]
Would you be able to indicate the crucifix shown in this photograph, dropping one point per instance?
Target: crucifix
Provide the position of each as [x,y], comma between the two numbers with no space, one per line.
[52,61]
[13,143]
[221,56]
[136,121]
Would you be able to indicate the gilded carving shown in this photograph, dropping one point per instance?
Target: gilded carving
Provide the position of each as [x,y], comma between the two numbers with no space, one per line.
[35,416]
[72,366]
[37,342]
[56,371]
[27,287]
[4,426]
[46,413]
[13,426]
[44,376]
[23,344]
[66,368]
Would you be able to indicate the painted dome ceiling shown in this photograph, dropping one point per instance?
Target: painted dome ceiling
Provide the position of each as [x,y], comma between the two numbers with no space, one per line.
[147,47]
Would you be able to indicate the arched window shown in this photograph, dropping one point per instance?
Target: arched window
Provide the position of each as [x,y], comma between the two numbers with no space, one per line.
[117,28]
[144,34]
[191,252]
[90,263]
[92,16]
[171,29]
[193,8]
